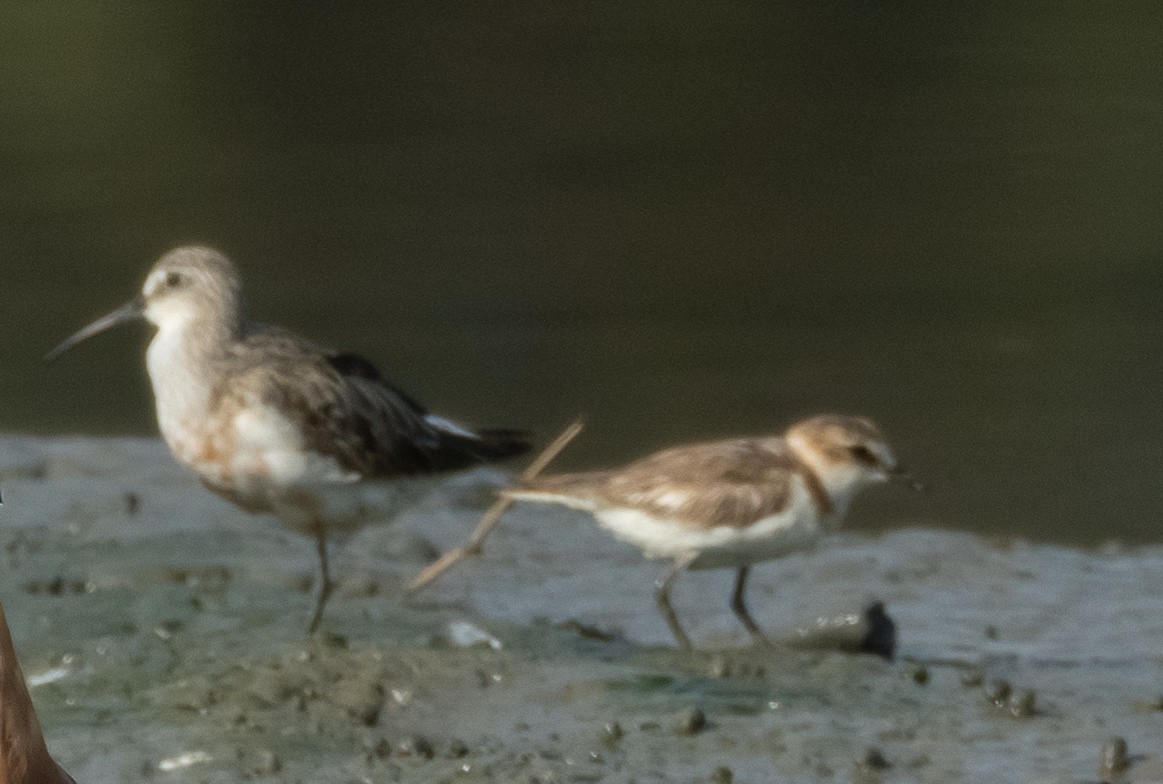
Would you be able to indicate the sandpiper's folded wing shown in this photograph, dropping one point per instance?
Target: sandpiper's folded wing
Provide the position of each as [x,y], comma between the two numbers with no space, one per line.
[348,411]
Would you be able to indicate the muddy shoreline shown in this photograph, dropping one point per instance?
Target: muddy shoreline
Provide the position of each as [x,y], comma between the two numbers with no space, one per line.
[161,631]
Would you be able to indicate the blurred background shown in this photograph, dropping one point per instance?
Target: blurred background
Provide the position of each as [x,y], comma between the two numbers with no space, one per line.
[679,220]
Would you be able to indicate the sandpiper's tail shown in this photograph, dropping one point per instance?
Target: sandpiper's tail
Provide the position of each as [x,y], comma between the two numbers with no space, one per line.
[459,447]
[501,443]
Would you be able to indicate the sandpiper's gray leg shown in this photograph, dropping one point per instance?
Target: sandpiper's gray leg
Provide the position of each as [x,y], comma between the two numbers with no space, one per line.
[740,608]
[323,584]
[662,596]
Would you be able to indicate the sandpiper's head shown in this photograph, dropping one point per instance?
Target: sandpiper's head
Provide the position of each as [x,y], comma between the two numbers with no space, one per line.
[846,452]
[188,284]
[191,283]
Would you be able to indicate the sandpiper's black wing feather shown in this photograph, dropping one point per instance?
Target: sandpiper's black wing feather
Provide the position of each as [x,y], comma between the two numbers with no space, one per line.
[349,412]
[354,366]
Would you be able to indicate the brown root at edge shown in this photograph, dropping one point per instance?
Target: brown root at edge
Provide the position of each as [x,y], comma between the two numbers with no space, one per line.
[24,757]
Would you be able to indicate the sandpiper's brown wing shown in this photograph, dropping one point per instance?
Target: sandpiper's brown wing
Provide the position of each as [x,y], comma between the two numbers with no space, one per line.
[347,411]
[732,483]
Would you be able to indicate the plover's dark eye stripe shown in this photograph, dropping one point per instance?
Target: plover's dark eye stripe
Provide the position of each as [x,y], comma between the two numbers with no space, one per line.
[174,279]
[863,454]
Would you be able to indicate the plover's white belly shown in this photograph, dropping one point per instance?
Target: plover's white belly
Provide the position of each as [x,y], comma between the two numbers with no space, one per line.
[795,528]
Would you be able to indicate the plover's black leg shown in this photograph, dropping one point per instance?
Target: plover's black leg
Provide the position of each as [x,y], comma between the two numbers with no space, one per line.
[662,596]
[323,584]
[739,607]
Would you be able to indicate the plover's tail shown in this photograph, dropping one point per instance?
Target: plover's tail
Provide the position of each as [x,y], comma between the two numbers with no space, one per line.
[577,491]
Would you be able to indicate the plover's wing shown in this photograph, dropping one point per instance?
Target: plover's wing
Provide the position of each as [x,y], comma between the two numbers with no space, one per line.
[731,483]
[347,411]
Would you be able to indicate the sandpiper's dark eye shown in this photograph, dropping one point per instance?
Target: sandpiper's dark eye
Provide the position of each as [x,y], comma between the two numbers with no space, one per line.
[863,454]
[174,279]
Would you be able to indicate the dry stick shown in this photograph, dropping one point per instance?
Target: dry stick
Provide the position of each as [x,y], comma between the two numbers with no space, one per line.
[493,515]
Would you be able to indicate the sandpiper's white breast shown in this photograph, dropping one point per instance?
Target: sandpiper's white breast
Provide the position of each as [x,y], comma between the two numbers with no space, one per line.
[236,442]
[181,389]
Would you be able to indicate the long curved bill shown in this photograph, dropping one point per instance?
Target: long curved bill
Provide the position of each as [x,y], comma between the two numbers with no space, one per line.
[130,311]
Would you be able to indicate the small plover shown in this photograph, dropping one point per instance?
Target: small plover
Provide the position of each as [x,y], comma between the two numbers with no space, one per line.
[269,420]
[730,503]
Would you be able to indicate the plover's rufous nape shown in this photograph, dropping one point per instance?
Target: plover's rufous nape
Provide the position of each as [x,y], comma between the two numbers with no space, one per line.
[730,503]
[269,420]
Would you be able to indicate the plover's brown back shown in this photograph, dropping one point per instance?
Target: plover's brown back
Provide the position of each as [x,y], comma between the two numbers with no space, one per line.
[731,483]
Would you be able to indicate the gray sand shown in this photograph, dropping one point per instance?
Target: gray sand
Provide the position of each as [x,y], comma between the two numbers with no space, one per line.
[161,630]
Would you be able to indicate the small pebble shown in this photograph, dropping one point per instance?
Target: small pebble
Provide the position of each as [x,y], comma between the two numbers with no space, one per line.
[919,674]
[691,721]
[167,629]
[362,699]
[874,759]
[1113,760]
[264,762]
[457,748]
[722,775]
[612,732]
[880,638]
[270,688]
[998,691]
[972,679]
[416,746]
[719,667]
[1022,704]
[464,634]
[587,632]
[335,640]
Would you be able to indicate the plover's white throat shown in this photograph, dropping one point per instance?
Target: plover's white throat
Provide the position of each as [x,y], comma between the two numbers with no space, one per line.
[271,421]
[729,503]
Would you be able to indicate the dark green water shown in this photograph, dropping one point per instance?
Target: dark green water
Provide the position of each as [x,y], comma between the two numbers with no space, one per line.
[680,220]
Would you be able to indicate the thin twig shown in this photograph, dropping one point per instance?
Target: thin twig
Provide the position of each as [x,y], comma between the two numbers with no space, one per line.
[493,514]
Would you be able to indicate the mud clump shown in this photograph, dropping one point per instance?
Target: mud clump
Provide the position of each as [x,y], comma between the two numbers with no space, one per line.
[691,721]
[363,700]
[1113,760]
[417,746]
[1022,704]
[997,691]
[869,630]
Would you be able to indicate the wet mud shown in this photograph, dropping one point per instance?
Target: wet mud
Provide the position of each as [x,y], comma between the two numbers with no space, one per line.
[161,632]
